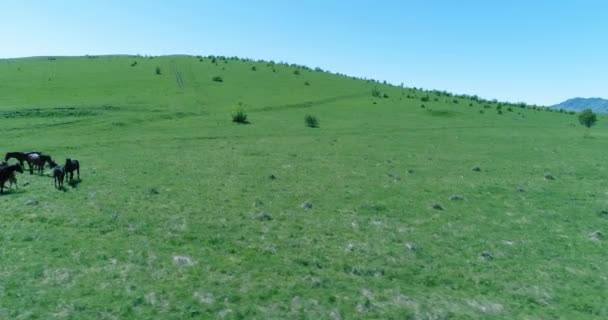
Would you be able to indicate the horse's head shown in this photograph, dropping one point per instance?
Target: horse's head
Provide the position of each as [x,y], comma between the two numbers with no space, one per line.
[19,168]
[52,164]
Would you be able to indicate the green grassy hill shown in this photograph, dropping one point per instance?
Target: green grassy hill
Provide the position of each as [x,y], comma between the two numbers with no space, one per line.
[183,214]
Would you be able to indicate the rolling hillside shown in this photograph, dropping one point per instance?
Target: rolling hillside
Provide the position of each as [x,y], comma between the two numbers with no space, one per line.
[404,204]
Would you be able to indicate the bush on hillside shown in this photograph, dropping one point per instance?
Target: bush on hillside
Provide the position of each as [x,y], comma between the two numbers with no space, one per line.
[158,71]
[296,72]
[425,99]
[240,117]
[311,121]
[217,79]
[587,118]
[376,93]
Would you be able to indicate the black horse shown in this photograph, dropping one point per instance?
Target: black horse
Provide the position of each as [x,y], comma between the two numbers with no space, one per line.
[8,172]
[70,167]
[58,174]
[21,157]
[11,179]
[36,162]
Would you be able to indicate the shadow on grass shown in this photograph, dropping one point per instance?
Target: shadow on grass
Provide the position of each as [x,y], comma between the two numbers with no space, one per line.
[8,192]
[74,183]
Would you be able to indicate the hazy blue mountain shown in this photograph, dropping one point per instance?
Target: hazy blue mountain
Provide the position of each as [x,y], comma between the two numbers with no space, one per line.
[578,104]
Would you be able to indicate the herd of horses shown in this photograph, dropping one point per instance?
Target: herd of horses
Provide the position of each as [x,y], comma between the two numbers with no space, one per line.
[36,162]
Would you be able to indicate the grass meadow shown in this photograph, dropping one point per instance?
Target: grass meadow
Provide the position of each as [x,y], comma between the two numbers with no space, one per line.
[375,214]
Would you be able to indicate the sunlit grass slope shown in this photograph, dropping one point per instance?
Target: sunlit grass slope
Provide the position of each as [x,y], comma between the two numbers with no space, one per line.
[376,214]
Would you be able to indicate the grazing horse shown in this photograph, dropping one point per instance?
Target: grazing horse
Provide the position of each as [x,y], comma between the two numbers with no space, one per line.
[7,172]
[21,157]
[70,167]
[37,161]
[11,179]
[58,174]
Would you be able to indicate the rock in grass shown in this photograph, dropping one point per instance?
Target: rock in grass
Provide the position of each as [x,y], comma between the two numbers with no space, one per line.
[263,216]
[596,236]
[477,169]
[307,205]
[549,177]
[31,202]
[182,261]
[456,197]
[487,255]
[437,206]
[411,246]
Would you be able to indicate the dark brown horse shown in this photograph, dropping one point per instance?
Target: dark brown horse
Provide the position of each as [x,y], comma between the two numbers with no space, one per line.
[21,157]
[58,174]
[70,167]
[12,180]
[7,172]
[37,161]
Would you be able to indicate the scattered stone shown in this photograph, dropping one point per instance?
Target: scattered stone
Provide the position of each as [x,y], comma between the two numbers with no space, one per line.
[487,255]
[596,236]
[183,261]
[31,202]
[411,246]
[549,177]
[307,205]
[205,298]
[456,198]
[477,169]
[263,216]
[437,206]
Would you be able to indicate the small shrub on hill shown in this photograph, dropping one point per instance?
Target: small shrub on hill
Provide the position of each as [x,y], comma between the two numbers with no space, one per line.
[311,121]
[240,117]
[587,118]
[425,99]
[217,79]
[158,71]
[296,72]
[376,93]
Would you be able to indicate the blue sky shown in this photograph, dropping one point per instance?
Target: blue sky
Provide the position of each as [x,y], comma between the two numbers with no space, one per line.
[539,51]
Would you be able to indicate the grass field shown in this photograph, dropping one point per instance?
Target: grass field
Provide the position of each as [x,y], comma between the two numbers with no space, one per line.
[183,214]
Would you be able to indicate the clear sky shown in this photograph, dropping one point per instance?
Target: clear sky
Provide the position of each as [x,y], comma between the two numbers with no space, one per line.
[537,51]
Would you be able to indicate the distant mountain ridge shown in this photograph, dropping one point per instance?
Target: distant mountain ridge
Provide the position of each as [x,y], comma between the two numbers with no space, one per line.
[598,105]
